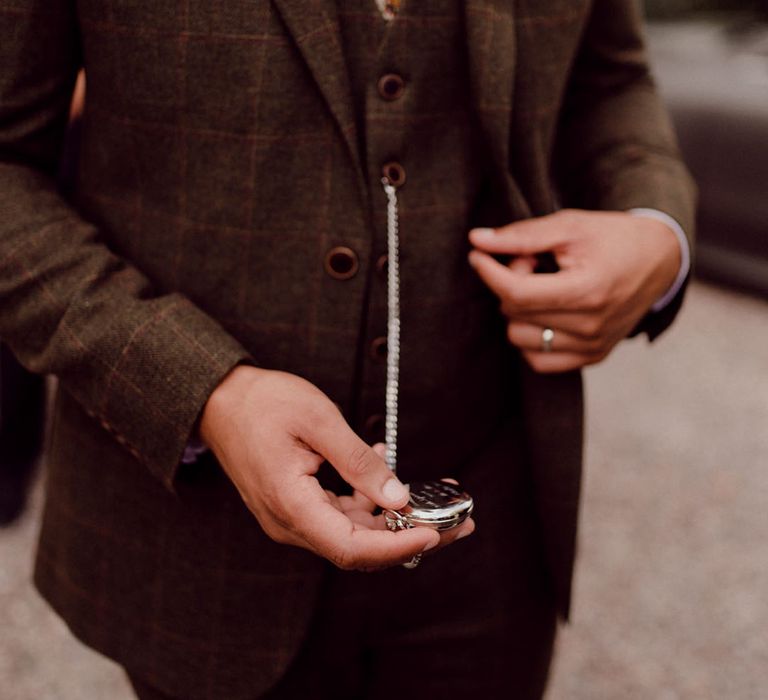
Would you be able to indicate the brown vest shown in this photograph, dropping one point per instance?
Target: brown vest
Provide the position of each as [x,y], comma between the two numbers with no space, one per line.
[412,110]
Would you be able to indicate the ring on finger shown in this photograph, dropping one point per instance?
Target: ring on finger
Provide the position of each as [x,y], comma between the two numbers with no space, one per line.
[413,563]
[547,337]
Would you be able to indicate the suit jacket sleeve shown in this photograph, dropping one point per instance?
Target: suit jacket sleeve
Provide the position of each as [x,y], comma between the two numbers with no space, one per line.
[140,361]
[616,148]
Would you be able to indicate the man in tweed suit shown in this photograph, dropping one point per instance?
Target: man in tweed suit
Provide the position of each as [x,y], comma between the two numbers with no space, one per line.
[221,279]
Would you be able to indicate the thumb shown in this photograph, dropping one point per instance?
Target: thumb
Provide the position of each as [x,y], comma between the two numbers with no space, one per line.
[359,464]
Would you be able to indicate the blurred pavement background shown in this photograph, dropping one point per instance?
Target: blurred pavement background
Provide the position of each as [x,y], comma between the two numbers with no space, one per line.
[672,580]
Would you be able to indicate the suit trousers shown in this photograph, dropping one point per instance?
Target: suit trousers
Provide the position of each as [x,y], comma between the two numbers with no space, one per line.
[477,617]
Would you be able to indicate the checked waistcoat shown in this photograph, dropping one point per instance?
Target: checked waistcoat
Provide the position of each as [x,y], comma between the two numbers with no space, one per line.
[457,368]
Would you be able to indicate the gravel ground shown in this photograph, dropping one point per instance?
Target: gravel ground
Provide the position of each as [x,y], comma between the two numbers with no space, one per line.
[673,569]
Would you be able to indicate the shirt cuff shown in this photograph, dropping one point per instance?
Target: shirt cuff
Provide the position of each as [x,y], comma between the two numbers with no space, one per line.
[192,451]
[685,253]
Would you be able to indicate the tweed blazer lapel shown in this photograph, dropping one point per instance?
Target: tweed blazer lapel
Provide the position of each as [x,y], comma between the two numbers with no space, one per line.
[495,29]
[492,51]
[314,26]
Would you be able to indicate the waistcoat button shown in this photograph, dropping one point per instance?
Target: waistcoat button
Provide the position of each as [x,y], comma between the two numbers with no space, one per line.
[394,173]
[341,263]
[391,86]
[381,264]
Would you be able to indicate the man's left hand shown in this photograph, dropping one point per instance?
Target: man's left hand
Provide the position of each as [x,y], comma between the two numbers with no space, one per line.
[613,268]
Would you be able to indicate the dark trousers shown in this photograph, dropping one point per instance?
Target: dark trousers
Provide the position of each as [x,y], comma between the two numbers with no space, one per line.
[476,619]
[22,408]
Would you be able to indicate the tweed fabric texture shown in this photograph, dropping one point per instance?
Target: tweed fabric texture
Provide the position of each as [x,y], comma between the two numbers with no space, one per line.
[431,132]
[476,621]
[222,156]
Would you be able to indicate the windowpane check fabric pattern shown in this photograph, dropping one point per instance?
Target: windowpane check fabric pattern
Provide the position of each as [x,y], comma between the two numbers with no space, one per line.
[224,153]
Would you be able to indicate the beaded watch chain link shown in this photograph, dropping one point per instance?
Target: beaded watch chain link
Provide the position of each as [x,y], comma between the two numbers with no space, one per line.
[393,325]
[389,8]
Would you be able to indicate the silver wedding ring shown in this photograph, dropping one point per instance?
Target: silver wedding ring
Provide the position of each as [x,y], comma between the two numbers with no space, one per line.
[547,336]
[413,563]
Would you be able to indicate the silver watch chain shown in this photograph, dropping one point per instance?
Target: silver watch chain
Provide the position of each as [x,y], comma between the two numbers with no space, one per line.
[393,325]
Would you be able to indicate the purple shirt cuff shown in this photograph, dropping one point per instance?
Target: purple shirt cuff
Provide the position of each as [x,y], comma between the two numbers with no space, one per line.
[685,253]
[192,451]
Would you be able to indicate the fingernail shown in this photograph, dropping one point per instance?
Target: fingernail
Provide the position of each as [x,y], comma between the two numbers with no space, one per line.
[431,545]
[394,491]
[482,234]
[464,534]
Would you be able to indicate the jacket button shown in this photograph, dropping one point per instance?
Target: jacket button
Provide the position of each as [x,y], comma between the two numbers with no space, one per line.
[381,265]
[341,263]
[378,349]
[391,86]
[374,428]
[394,173]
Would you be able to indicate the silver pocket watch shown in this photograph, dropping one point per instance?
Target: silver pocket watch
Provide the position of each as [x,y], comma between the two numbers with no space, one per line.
[438,505]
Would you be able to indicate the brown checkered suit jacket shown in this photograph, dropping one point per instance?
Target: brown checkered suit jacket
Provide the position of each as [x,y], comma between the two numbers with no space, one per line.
[220,160]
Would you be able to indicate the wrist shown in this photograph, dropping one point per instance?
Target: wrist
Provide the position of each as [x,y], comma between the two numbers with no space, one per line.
[223,401]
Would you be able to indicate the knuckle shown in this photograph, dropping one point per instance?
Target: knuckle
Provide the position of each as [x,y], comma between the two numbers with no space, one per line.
[281,515]
[269,496]
[359,461]
[343,559]
[321,414]
[274,533]
[518,294]
[512,298]
[252,504]
[278,520]
[568,216]
[596,297]
[595,348]
[593,330]
[594,359]
[277,508]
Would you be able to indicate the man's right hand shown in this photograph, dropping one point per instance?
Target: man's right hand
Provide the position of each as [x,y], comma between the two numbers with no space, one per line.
[271,431]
